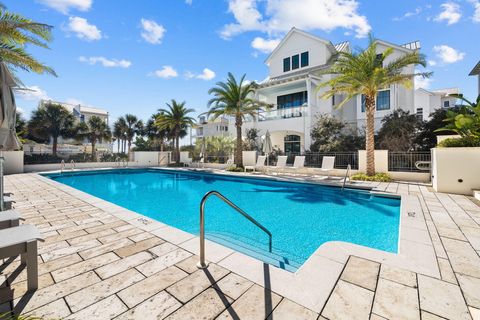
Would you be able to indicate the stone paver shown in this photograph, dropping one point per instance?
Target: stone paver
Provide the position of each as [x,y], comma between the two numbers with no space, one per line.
[206,305]
[157,307]
[441,298]
[361,272]
[394,300]
[93,265]
[348,301]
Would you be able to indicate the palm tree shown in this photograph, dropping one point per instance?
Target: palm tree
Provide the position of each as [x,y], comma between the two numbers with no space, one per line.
[94,130]
[175,119]
[16,32]
[364,73]
[119,132]
[155,135]
[234,99]
[51,121]
[134,126]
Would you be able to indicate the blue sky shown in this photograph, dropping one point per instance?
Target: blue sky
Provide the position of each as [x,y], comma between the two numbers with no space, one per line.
[133,56]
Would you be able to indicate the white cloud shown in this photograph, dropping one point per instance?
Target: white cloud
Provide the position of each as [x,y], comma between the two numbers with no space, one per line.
[166,72]
[189,2]
[32,93]
[409,14]
[152,32]
[189,75]
[476,13]
[451,13]
[432,63]
[421,82]
[448,54]
[280,15]
[265,45]
[108,63]
[83,29]
[207,74]
[64,6]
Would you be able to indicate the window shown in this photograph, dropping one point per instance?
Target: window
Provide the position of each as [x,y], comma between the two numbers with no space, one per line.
[420,114]
[446,104]
[383,100]
[295,62]
[304,59]
[286,64]
[292,143]
[379,59]
[82,118]
[291,100]
[333,100]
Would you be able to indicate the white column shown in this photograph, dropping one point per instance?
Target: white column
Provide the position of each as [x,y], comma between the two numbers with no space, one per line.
[308,118]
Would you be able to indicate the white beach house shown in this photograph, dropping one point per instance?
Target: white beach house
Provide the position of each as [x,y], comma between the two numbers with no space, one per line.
[295,71]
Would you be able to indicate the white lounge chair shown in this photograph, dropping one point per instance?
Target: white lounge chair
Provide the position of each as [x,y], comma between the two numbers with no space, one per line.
[22,240]
[259,165]
[199,163]
[327,165]
[281,164]
[9,218]
[298,163]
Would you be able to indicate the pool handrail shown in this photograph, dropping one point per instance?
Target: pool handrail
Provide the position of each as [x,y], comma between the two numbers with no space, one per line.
[346,174]
[72,164]
[202,264]
[62,166]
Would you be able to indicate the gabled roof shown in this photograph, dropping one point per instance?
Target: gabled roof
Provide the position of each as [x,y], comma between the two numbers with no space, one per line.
[403,48]
[476,70]
[306,34]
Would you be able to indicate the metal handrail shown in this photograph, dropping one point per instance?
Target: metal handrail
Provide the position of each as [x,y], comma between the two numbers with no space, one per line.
[2,195]
[62,166]
[346,174]
[72,164]
[201,264]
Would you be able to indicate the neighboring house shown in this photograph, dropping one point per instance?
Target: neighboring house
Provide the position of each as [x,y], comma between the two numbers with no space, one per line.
[476,72]
[217,127]
[427,101]
[291,87]
[83,114]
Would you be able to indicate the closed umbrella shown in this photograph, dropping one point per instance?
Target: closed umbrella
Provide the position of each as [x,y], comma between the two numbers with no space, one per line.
[8,136]
[267,145]
[8,110]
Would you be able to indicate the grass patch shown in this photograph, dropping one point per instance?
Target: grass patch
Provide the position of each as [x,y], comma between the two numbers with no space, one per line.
[234,168]
[378,177]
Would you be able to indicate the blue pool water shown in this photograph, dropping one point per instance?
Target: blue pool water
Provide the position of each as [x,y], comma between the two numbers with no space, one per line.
[300,216]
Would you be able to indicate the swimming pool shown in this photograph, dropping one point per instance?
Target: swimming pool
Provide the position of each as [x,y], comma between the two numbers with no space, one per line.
[300,216]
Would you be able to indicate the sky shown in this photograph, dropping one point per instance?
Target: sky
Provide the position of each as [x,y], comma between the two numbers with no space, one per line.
[134,56]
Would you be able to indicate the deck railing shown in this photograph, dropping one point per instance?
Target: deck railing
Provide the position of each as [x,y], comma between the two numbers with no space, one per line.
[405,161]
[314,159]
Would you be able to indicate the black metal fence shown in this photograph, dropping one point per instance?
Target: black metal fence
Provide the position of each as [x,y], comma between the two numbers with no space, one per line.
[314,159]
[406,161]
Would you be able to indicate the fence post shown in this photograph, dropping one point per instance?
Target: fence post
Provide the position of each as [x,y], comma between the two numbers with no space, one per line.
[381,161]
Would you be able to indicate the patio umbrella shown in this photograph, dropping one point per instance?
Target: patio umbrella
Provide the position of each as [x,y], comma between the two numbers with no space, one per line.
[8,136]
[267,145]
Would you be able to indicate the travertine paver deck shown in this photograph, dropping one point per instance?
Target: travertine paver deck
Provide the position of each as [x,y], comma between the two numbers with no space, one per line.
[94,265]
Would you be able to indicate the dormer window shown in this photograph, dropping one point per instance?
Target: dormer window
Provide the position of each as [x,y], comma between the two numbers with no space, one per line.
[286,64]
[304,59]
[295,62]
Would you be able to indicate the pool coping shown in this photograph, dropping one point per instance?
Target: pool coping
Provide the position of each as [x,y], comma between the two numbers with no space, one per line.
[312,284]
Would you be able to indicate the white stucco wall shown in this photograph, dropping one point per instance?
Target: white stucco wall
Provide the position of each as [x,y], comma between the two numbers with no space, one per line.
[381,161]
[456,170]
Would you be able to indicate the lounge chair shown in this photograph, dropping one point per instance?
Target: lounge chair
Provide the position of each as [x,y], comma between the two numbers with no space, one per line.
[281,164]
[9,218]
[327,165]
[298,163]
[199,163]
[259,165]
[22,240]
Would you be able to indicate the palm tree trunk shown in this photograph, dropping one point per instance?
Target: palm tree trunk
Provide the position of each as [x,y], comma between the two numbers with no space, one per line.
[94,153]
[238,149]
[370,134]
[54,145]
[177,147]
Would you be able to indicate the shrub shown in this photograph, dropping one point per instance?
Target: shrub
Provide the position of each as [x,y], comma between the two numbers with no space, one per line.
[461,142]
[378,177]
[234,169]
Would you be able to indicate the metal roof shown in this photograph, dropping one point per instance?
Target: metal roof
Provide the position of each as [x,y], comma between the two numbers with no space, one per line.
[476,70]
[342,46]
[292,76]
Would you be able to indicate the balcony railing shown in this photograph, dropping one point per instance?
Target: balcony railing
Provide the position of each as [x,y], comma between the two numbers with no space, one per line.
[278,114]
[405,161]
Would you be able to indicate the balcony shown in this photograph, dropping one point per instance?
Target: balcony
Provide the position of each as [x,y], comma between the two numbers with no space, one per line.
[278,114]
